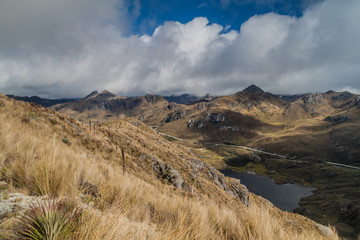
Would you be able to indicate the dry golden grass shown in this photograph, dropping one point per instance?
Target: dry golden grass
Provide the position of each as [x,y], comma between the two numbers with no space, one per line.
[35,159]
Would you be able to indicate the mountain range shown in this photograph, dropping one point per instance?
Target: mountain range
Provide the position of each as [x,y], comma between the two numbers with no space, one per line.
[291,138]
[318,125]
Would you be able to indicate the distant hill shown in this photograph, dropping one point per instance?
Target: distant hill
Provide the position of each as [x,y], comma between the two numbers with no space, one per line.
[42,101]
[187,98]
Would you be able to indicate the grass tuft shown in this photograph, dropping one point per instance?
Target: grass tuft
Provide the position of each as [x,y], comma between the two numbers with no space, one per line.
[49,220]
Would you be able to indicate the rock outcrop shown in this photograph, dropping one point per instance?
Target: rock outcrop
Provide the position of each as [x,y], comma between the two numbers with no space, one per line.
[231,186]
[167,172]
[174,116]
[215,118]
[357,102]
[337,119]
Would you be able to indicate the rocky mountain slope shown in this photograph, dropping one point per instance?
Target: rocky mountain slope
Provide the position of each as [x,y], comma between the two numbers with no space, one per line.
[320,125]
[161,190]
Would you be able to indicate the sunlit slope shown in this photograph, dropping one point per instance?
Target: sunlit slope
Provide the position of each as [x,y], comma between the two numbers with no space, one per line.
[44,152]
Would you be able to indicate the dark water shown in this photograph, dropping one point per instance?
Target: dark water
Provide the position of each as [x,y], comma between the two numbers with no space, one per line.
[284,196]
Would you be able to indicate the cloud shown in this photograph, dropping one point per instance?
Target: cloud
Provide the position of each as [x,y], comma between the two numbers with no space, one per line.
[68,49]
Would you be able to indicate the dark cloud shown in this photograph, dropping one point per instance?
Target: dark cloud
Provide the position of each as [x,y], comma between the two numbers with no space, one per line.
[70,49]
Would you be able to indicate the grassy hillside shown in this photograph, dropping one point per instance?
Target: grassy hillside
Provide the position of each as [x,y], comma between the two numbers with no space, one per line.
[43,152]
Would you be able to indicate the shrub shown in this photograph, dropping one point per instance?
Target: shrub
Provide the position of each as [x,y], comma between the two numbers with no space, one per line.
[66,141]
[49,220]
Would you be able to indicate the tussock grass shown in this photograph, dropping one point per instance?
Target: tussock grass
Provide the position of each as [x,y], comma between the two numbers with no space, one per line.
[35,160]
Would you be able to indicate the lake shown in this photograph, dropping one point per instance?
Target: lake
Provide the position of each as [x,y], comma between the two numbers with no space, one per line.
[284,196]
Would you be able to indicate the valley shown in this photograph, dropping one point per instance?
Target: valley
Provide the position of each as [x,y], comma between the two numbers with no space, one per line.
[312,139]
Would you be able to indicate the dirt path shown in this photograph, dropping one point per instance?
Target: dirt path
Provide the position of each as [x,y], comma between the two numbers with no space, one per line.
[257,150]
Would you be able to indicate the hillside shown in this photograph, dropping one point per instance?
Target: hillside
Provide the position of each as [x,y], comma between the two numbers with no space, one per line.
[320,125]
[165,192]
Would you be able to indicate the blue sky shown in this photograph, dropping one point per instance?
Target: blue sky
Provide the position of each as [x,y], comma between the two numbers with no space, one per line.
[152,13]
[70,48]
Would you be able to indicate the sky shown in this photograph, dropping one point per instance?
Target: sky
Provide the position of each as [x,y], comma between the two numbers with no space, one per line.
[66,49]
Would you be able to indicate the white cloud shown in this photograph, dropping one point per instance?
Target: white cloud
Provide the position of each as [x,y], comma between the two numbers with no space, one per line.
[68,48]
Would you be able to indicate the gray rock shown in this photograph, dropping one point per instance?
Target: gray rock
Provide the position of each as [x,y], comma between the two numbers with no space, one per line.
[167,172]
[314,99]
[357,102]
[17,202]
[215,118]
[232,128]
[191,123]
[240,191]
[174,116]
[342,96]
[234,188]
[324,230]
[337,119]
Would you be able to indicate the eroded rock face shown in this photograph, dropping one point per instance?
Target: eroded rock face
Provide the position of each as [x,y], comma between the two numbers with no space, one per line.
[357,102]
[215,118]
[174,116]
[240,191]
[167,172]
[342,96]
[337,119]
[194,123]
[231,186]
[315,99]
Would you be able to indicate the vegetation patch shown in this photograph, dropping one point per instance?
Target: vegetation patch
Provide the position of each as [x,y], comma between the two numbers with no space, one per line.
[50,220]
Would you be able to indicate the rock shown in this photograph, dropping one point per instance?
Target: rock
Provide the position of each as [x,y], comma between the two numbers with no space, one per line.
[233,188]
[324,230]
[215,118]
[232,128]
[315,99]
[357,102]
[337,119]
[17,202]
[315,114]
[167,172]
[342,96]
[218,178]
[191,123]
[172,106]
[240,191]
[174,116]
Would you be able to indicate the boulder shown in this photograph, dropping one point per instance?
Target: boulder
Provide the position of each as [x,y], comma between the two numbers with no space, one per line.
[231,186]
[240,191]
[167,172]
[215,118]
[357,102]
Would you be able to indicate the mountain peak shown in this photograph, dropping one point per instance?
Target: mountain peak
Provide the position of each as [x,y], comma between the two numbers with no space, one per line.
[92,94]
[106,93]
[253,89]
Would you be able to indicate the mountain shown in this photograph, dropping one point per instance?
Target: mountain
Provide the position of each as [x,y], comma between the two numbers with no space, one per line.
[309,130]
[41,101]
[314,124]
[106,106]
[160,190]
